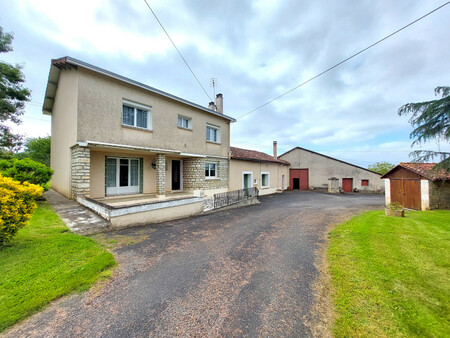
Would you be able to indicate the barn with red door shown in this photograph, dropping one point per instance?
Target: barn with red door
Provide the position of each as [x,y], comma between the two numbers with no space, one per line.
[314,171]
[416,186]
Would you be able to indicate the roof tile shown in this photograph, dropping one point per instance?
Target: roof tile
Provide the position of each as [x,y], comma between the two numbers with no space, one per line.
[253,155]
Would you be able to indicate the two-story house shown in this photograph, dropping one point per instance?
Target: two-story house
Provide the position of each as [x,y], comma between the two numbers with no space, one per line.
[114,137]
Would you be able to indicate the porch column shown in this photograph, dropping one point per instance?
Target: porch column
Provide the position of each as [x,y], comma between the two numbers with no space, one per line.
[80,171]
[160,174]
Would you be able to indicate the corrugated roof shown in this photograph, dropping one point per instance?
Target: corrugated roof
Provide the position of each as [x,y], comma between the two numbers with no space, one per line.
[68,62]
[253,155]
[422,169]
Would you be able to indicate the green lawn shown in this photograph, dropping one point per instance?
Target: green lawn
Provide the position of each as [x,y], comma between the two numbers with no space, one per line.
[391,275]
[43,262]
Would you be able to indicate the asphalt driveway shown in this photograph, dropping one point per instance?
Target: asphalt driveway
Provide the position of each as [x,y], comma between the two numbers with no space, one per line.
[242,272]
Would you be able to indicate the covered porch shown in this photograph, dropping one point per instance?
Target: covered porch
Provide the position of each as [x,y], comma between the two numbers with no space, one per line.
[139,209]
[101,170]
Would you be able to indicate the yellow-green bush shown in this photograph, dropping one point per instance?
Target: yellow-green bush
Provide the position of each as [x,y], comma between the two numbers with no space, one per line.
[17,204]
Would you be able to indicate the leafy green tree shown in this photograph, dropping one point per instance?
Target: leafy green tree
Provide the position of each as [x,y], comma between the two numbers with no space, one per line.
[26,170]
[431,121]
[38,149]
[381,167]
[12,96]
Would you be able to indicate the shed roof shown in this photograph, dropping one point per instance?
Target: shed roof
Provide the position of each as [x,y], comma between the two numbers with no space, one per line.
[68,62]
[422,169]
[330,158]
[253,155]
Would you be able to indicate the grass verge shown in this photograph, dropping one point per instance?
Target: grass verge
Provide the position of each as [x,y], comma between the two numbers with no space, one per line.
[391,275]
[45,261]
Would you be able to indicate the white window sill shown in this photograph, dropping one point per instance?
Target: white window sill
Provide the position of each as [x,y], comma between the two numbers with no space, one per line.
[137,128]
[266,187]
[213,142]
[212,178]
[184,128]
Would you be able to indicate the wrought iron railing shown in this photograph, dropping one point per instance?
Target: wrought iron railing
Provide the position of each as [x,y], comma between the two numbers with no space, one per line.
[231,197]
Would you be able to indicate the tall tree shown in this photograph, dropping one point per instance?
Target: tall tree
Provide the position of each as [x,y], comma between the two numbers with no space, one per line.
[13,96]
[38,149]
[431,121]
[381,167]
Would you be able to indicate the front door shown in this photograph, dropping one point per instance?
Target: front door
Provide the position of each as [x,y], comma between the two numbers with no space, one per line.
[247,181]
[122,175]
[176,175]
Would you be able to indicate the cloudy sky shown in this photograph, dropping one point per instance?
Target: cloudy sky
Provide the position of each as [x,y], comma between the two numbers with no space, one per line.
[257,50]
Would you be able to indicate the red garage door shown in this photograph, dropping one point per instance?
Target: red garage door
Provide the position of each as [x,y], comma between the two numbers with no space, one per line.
[347,184]
[299,179]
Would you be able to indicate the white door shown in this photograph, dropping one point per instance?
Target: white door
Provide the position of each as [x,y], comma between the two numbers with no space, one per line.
[122,176]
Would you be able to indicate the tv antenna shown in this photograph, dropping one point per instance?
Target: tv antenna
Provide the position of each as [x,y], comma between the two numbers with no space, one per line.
[213,83]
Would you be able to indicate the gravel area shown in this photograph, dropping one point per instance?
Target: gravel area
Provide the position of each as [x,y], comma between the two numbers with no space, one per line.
[243,272]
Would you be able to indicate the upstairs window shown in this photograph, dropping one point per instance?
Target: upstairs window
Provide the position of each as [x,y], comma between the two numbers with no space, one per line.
[212,134]
[184,122]
[135,115]
[210,170]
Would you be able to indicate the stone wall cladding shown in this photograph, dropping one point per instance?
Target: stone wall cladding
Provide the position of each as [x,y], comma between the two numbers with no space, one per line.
[440,195]
[160,174]
[81,171]
[194,173]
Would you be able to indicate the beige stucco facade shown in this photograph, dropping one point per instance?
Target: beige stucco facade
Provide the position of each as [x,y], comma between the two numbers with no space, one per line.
[87,128]
[99,119]
[64,132]
[277,175]
[321,168]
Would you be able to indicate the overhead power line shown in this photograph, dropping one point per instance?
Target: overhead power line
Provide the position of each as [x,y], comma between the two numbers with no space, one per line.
[343,61]
[173,43]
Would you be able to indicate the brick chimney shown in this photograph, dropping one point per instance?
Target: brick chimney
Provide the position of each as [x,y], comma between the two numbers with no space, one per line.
[219,103]
[275,149]
[212,106]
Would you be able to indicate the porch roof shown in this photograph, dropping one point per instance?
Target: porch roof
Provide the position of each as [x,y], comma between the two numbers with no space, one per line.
[95,144]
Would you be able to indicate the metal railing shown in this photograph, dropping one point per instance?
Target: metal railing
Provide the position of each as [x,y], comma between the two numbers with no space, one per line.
[227,198]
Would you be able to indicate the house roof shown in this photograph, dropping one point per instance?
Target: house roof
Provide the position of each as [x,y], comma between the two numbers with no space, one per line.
[331,158]
[68,62]
[253,155]
[422,169]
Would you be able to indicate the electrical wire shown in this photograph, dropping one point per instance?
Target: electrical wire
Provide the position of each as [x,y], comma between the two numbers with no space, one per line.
[173,43]
[343,61]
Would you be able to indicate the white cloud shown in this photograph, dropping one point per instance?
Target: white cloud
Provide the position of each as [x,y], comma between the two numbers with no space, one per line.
[258,50]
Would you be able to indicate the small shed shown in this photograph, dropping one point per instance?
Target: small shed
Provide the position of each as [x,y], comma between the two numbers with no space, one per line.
[417,186]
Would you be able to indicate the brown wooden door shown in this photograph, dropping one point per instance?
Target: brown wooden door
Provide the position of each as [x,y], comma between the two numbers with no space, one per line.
[347,184]
[406,192]
[299,179]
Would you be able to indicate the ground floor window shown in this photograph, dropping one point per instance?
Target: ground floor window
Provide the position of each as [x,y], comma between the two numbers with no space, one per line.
[264,180]
[122,175]
[364,183]
[210,170]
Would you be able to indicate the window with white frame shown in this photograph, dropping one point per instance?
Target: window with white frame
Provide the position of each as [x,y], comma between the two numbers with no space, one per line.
[210,170]
[265,180]
[136,115]
[184,122]
[212,133]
